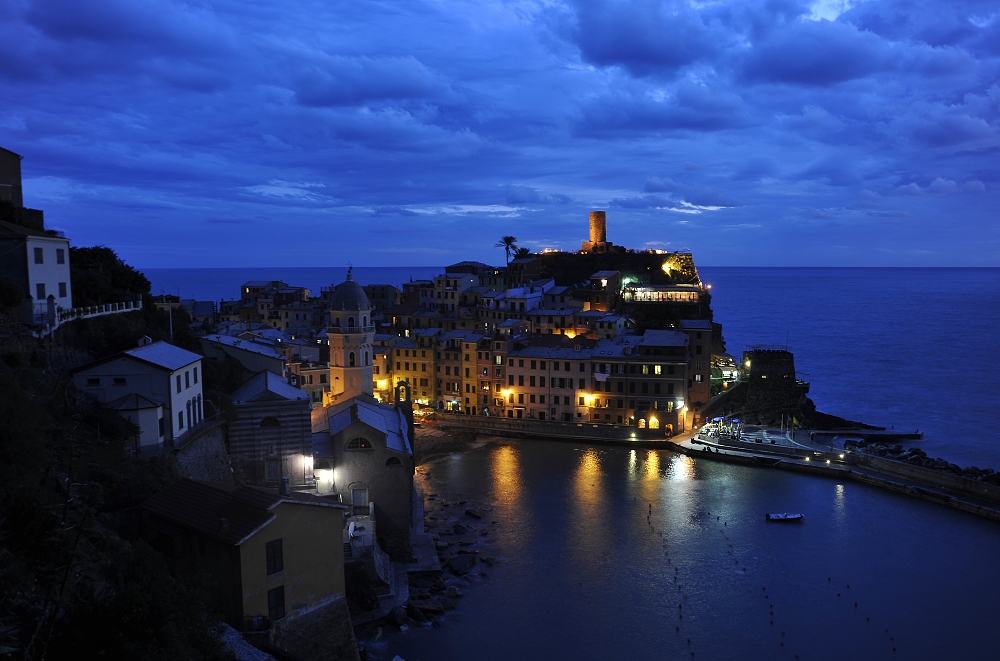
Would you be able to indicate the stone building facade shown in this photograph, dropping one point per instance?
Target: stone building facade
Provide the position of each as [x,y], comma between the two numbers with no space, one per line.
[272,435]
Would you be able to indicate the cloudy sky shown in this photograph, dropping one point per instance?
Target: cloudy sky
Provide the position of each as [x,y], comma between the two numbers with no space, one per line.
[409,132]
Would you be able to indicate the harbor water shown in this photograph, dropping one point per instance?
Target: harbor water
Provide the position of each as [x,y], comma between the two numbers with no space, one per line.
[584,574]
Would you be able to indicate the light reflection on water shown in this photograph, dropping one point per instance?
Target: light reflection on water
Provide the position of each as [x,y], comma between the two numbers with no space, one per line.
[584,574]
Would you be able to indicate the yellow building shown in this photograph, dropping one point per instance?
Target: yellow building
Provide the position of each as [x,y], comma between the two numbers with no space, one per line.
[269,554]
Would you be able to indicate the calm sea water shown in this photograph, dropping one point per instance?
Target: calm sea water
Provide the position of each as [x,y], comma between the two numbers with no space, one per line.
[224,284]
[584,576]
[583,573]
[905,348]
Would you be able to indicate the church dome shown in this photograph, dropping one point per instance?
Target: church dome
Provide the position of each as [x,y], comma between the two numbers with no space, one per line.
[349,296]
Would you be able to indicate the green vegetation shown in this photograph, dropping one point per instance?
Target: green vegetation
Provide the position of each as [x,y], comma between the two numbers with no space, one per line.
[100,276]
[76,576]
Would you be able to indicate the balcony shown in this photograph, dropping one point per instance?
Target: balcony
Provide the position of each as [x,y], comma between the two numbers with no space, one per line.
[350,330]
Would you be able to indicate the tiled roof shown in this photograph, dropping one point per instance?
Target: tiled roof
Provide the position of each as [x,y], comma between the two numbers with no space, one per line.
[696,324]
[164,354]
[664,338]
[269,385]
[11,229]
[202,506]
[384,418]
[246,345]
[132,403]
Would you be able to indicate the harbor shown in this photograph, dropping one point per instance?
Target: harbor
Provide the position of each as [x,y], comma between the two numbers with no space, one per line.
[827,454]
[622,523]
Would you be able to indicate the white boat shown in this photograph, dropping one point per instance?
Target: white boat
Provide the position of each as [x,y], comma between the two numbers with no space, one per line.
[785,516]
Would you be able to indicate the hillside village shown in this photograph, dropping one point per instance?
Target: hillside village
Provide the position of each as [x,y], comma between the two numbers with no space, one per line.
[263,447]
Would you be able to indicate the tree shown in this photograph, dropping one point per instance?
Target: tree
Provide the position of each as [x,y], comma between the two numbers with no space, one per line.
[509,245]
[522,253]
[100,276]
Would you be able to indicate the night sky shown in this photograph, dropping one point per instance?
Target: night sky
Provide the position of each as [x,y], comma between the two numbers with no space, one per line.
[239,133]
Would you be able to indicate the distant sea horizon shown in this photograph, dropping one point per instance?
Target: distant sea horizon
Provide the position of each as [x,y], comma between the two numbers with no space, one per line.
[881,345]
[223,283]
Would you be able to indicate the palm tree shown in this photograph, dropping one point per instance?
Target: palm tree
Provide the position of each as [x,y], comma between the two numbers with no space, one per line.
[522,253]
[508,243]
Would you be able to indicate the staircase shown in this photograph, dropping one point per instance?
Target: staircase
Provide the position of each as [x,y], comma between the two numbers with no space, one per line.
[348,553]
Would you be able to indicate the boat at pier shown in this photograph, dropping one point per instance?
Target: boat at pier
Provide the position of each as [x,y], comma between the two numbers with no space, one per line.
[785,516]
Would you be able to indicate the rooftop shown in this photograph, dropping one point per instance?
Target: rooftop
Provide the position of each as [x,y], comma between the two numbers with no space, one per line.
[245,345]
[664,338]
[267,385]
[132,402]
[696,324]
[387,419]
[12,230]
[165,355]
[229,514]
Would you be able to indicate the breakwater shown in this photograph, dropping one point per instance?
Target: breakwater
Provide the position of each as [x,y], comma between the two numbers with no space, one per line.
[975,497]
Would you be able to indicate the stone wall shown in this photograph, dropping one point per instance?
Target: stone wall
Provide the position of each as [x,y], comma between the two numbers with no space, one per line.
[205,458]
[322,634]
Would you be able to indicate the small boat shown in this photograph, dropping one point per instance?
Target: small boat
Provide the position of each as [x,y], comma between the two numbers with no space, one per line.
[785,516]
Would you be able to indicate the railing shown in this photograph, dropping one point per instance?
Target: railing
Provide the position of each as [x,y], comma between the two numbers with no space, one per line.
[383,565]
[47,320]
[349,330]
[88,311]
[256,629]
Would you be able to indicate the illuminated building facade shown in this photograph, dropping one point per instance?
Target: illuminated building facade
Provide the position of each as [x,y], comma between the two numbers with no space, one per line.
[351,335]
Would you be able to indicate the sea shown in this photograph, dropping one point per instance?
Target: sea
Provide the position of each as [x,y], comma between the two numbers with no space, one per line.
[612,553]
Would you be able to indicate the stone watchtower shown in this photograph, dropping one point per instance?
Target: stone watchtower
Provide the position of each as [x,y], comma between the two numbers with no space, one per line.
[351,334]
[598,233]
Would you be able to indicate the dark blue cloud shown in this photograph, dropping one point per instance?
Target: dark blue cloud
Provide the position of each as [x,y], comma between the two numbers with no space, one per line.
[646,36]
[368,130]
[514,194]
[816,53]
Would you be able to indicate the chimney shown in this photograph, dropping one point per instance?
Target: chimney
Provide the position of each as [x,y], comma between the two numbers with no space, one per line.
[283,488]
[145,341]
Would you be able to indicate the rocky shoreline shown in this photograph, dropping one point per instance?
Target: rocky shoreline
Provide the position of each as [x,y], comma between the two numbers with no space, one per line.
[461,531]
[918,457]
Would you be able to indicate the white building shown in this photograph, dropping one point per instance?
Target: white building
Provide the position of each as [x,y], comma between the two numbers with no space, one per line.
[38,260]
[160,372]
[145,414]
